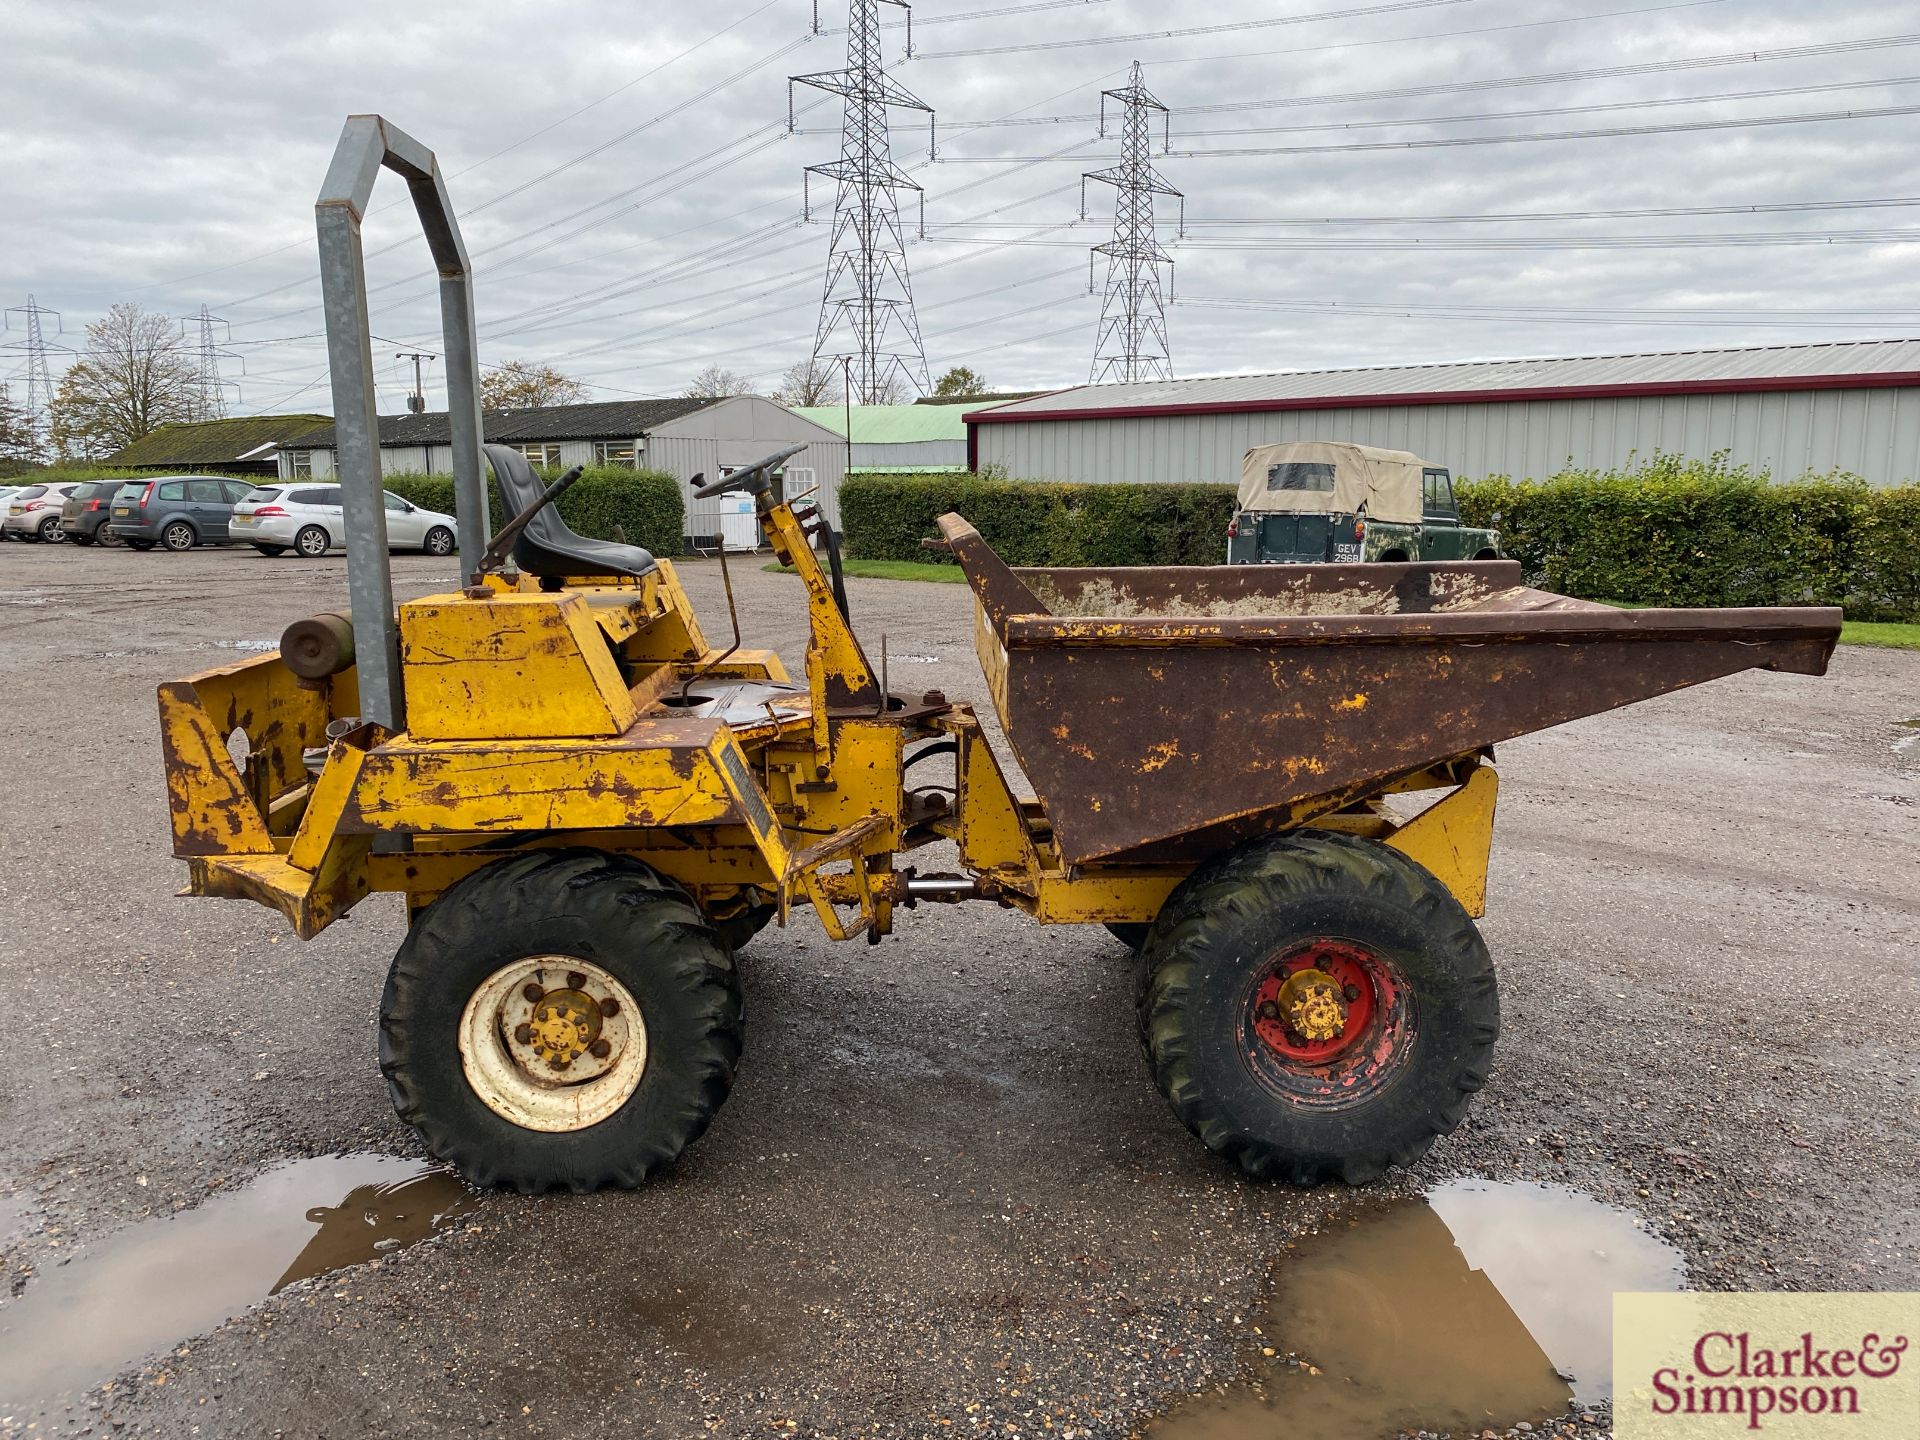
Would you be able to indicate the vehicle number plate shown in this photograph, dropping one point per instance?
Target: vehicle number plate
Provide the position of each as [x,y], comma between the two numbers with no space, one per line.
[1346,554]
[243,519]
[121,510]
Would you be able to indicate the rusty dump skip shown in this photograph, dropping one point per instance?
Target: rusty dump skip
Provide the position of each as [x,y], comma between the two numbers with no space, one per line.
[1165,711]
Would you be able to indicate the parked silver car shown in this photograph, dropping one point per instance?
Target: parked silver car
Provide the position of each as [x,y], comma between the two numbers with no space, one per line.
[307,519]
[34,513]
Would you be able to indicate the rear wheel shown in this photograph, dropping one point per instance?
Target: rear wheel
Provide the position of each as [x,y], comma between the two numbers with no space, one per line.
[565,1019]
[270,549]
[312,542]
[178,536]
[49,530]
[439,541]
[1317,1006]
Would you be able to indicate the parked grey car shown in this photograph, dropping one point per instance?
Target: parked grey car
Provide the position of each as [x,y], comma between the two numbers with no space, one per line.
[88,509]
[177,511]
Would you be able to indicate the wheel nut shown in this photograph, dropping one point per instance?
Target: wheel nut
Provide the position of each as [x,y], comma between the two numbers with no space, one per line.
[576,981]
[1268,1010]
[532,991]
[609,1007]
[600,1049]
[561,1062]
[1352,992]
[523,1033]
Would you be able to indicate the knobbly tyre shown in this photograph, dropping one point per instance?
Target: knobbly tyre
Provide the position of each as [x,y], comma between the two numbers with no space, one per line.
[590,809]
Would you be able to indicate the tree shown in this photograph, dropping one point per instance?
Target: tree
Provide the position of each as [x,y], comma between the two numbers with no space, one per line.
[809,382]
[19,446]
[714,383]
[522,384]
[962,382]
[134,377]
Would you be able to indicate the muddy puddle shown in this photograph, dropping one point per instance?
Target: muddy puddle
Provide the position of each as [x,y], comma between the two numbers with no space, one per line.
[1485,1305]
[162,1281]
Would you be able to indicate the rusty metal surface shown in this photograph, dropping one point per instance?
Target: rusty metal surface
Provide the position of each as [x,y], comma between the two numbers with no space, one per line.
[1193,717]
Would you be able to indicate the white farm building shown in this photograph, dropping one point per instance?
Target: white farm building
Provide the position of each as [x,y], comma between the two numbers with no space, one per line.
[1851,405]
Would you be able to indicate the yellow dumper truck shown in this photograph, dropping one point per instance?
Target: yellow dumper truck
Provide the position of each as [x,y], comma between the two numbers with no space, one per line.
[1274,781]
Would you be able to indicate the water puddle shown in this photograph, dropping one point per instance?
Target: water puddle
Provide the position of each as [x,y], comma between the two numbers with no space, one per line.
[1483,1306]
[160,1281]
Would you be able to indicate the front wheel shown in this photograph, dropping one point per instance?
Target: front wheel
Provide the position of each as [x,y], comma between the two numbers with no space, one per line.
[439,541]
[565,1019]
[1318,1006]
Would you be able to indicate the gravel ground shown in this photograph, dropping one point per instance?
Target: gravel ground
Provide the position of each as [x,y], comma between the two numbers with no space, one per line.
[944,1197]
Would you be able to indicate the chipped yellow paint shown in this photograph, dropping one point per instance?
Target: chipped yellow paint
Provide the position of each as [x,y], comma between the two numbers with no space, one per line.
[529,666]
[510,786]
[1158,756]
[1355,701]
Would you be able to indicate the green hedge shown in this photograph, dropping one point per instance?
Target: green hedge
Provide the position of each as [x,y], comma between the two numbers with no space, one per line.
[1671,531]
[1666,531]
[1039,522]
[645,504]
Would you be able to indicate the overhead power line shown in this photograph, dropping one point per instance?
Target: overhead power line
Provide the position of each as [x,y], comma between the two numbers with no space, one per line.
[1451,141]
[1142,37]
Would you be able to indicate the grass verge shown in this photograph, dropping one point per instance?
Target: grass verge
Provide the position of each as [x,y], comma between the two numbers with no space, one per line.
[890,570]
[1886,636]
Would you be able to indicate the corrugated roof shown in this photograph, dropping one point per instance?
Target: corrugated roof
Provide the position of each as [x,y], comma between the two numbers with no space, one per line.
[1851,362]
[610,420]
[215,442]
[892,424]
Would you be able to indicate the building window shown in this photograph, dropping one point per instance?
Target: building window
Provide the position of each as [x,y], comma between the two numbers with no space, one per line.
[300,463]
[540,453]
[617,452]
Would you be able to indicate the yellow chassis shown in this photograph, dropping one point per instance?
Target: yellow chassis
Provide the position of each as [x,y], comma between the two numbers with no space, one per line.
[539,719]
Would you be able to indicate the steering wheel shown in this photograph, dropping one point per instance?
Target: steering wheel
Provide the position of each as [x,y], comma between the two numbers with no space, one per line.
[754,478]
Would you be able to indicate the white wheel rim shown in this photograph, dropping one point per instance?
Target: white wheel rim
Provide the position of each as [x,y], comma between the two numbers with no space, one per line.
[515,1076]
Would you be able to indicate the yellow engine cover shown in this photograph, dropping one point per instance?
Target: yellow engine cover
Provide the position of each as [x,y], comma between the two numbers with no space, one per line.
[510,667]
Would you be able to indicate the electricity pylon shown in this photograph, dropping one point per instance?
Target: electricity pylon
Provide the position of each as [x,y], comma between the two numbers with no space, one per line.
[1132,341]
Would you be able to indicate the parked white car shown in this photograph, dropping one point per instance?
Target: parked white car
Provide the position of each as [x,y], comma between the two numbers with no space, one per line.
[307,519]
[33,513]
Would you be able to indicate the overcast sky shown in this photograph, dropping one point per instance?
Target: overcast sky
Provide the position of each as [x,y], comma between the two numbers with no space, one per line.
[633,201]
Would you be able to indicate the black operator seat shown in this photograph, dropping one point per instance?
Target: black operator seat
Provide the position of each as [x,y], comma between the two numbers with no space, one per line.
[548,547]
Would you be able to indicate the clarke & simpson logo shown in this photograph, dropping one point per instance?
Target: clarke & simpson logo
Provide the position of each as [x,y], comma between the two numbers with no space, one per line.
[1786,1365]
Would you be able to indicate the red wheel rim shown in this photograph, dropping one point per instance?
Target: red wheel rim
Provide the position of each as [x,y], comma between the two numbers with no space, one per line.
[1362,987]
[1359,1001]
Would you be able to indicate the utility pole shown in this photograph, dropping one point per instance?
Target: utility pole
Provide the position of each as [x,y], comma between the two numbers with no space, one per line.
[211,401]
[35,346]
[1132,341]
[866,309]
[417,401]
